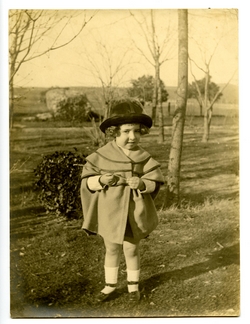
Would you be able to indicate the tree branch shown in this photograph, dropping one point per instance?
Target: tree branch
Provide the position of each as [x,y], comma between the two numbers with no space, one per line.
[196,84]
[30,29]
[220,91]
[61,45]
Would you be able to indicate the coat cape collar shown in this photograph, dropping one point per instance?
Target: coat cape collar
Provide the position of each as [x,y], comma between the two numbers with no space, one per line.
[113,152]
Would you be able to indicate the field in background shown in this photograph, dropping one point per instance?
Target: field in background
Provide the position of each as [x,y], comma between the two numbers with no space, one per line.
[28,103]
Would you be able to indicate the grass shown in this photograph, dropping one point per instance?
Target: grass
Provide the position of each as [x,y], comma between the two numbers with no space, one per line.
[190,263]
[190,267]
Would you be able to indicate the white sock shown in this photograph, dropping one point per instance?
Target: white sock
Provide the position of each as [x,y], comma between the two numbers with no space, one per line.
[111,275]
[108,290]
[133,276]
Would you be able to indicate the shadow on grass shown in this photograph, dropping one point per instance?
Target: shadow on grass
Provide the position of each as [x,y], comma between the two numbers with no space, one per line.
[22,188]
[31,210]
[24,222]
[196,198]
[200,198]
[222,258]
[50,303]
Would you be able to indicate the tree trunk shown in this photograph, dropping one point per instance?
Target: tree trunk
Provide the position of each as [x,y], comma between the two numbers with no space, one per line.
[200,109]
[169,109]
[11,95]
[207,124]
[154,102]
[210,114]
[11,104]
[160,118]
[12,62]
[205,129]
[173,178]
[159,108]
[206,114]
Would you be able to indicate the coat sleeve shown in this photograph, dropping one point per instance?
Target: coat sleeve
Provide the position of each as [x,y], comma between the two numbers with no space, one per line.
[152,172]
[89,201]
[89,196]
[149,186]
[89,170]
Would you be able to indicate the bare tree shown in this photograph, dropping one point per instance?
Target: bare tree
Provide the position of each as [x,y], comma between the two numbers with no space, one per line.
[206,102]
[197,88]
[159,53]
[27,32]
[109,64]
[173,179]
[208,49]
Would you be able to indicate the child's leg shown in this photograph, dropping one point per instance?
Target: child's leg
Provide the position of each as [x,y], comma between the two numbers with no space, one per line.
[113,254]
[111,265]
[132,254]
[132,257]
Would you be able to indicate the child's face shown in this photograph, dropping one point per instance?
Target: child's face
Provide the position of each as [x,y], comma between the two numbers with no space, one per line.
[129,136]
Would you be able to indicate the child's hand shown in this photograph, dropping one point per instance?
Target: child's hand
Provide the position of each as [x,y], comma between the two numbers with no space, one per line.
[108,179]
[136,183]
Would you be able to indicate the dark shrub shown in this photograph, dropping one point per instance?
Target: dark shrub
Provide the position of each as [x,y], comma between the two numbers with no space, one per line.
[72,109]
[58,179]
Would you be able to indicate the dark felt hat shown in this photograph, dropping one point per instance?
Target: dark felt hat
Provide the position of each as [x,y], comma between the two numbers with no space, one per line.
[126,111]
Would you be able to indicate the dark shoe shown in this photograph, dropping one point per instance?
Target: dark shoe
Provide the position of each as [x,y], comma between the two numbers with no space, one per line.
[134,296]
[101,297]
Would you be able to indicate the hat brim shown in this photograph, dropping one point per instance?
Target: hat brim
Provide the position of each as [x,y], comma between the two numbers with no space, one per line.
[134,119]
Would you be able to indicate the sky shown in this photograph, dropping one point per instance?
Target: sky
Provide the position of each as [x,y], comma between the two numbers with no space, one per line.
[121,35]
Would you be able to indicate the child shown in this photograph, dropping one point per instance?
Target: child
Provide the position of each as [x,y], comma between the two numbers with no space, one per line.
[119,182]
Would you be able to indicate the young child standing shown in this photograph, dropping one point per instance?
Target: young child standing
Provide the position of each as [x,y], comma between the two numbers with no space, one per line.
[119,183]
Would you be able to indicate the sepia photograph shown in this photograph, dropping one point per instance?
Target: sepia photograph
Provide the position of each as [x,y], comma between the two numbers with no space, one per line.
[124,194]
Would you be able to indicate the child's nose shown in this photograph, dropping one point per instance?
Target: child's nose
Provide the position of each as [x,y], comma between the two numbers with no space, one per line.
[132,135]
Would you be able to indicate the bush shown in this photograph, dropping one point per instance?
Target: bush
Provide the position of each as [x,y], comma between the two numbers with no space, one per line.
[72,109]
[59,179]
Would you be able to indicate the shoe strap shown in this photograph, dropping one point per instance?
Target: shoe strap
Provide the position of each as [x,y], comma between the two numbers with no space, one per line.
[132,282]
[110,285]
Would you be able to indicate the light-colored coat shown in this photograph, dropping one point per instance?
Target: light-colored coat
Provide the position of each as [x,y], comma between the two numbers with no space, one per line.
[106,211]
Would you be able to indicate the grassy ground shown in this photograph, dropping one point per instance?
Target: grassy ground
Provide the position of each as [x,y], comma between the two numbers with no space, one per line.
[190,263]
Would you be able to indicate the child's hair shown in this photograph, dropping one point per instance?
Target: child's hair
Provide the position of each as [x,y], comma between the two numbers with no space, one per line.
[113,131]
